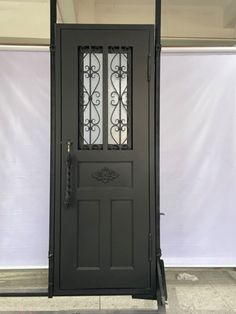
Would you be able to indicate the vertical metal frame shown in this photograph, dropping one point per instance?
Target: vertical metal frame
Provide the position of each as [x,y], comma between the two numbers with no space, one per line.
[53,20]
[157,44]
[160,270]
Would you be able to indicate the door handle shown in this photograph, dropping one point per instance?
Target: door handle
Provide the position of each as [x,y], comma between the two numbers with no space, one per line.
[68,183]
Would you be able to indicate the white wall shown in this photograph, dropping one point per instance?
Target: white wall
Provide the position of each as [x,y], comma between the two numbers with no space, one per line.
[198,158]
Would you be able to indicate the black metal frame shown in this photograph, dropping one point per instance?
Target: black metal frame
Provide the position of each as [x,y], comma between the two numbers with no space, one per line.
[24,294]
[150,293]
[160,269]
[161,293]
[53,18]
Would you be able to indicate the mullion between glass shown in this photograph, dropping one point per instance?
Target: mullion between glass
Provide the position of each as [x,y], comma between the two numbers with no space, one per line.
[105,98]
[129,99]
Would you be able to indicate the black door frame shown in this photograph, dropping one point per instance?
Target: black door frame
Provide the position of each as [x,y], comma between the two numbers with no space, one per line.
[54,257]
[159,281]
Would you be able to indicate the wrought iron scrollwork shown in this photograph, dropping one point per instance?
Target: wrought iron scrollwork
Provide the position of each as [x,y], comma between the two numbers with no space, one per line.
[120,98]
[118,117]
[90,61]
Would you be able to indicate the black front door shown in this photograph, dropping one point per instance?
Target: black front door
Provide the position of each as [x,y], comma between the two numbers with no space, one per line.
[105,208]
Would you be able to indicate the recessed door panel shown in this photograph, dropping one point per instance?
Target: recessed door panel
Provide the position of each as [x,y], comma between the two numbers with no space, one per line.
[88,237]
[122,239]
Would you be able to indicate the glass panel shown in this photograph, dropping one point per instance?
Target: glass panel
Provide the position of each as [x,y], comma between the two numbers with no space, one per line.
[119,98]
[206,23]
[106,11]
[24,22]
[90,97]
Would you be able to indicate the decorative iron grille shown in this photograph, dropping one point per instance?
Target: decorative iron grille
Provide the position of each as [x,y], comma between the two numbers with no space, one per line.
[116,81]
[90,97]
[119,98]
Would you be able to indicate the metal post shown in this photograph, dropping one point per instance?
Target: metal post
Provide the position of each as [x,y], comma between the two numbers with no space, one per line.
[53,19]
[157,116]
[161,287]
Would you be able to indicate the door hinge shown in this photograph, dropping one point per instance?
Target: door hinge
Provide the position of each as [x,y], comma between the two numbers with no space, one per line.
[50,258]
[150,247]
[52,49]
[149,68]
[50,255]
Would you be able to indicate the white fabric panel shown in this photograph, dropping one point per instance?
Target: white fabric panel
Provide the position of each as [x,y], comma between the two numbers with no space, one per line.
[198,159]
[24,155]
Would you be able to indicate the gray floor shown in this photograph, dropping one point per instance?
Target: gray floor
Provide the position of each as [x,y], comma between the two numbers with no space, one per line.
[214,292]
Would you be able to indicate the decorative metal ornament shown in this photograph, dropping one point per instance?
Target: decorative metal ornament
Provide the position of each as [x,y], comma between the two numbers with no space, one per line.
[105,175]
[90,62]
[119,97]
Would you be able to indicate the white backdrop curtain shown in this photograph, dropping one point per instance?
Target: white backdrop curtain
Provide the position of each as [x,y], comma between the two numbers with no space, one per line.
[198,158]
[24,158]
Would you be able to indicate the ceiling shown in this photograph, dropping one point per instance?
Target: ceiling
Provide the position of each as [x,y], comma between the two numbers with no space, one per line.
[184,22]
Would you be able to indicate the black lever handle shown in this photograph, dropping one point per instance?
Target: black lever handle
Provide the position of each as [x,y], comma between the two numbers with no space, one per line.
[68,185]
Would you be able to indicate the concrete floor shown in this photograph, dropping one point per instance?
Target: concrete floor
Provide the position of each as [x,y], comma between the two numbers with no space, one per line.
[214,292]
